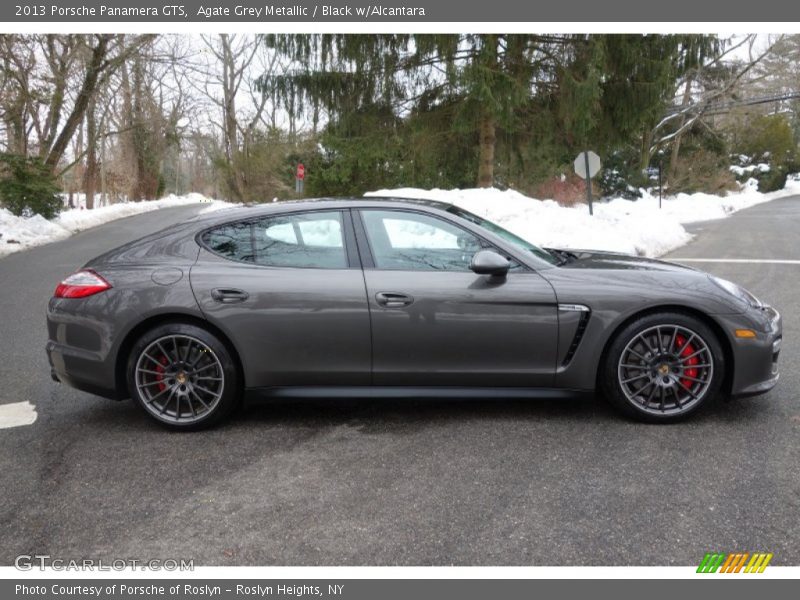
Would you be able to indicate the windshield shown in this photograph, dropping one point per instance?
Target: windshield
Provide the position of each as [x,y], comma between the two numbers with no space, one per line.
[504,233]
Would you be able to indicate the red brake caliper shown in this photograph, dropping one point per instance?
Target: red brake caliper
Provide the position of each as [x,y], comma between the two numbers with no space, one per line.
[160,377]
[689,370]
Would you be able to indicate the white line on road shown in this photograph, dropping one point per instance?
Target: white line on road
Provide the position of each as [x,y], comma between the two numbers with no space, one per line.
[17,414]
[757,261]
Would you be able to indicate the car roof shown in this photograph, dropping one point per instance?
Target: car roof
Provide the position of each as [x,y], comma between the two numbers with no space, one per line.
[257,210]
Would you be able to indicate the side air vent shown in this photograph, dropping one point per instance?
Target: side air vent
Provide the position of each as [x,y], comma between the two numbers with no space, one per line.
[583,321]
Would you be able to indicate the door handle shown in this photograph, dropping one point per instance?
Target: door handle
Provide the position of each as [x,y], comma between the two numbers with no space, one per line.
[393,299]
[229,295]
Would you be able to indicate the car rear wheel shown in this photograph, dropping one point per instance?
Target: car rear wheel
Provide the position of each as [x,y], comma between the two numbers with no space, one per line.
[183,376]
[663,367]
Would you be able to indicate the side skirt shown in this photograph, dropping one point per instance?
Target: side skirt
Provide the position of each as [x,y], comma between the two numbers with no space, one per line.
[408,392]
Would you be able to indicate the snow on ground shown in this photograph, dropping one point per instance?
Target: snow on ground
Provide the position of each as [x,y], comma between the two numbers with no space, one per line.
[619,225]
[739,171]
[635,227]
[20,233]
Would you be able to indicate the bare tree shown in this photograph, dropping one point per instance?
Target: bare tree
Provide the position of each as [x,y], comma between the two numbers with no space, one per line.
[703,91]
[147,106]
[39,112]
[106,55]
[228,79]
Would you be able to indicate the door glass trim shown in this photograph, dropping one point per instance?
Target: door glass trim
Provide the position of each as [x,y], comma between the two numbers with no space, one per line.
[351,251]
[364,246]
[368,256]
[350,239]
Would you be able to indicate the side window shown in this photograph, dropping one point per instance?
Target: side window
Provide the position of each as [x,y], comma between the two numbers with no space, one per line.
[231,241]
[413,241]
[311,240]
[281,232]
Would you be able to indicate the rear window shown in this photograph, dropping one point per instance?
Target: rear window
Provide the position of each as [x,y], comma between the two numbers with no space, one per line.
[233,241]
[301,240]
[306,240]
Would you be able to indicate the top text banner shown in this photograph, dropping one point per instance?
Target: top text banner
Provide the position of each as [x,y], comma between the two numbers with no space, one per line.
[408,11]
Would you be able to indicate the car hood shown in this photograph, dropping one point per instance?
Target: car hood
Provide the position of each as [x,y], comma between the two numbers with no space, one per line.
[593,259]
[590,277]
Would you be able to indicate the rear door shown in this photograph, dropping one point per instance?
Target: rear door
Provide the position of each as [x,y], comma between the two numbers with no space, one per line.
[288,289]
[435,322]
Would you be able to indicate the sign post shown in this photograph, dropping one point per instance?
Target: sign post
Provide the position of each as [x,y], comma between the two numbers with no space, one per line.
[299,178]
[587,165]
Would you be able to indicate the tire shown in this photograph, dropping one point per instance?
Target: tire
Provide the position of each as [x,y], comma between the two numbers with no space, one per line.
[666,383]
[183,377]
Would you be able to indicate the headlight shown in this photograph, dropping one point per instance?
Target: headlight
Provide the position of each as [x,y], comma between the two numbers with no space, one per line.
[737,291]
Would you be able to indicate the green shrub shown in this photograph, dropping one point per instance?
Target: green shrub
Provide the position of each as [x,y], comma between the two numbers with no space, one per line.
[772,180]
[27,186]
[703,171]
[620,175]
[767,139]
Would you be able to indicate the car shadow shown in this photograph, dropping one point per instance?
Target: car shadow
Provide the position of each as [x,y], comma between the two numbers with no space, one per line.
[380,414]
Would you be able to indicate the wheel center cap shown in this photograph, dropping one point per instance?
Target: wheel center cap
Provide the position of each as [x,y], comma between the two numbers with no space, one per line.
[663,369]
[181,377]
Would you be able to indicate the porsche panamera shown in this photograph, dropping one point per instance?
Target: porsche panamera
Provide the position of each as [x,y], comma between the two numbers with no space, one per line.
[401,298]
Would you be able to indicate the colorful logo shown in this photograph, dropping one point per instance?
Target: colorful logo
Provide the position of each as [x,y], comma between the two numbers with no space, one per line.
[734,562]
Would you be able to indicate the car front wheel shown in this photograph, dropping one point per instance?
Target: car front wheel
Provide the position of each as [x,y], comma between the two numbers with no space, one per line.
[663,367]
[183,376]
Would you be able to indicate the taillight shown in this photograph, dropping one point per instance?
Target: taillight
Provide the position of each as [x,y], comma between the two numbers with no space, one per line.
[81,284]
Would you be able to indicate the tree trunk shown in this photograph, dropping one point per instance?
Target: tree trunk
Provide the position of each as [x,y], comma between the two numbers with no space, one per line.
[13,110]
[76,179]
[676,143]
[103,179]
[487,129]
[487,133]
[139,191]
[93,69]
[127,142]
[90,174]
[236,181]
[644,156]
[146,152]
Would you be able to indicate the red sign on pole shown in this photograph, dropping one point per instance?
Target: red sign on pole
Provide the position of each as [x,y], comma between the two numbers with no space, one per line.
[301,172]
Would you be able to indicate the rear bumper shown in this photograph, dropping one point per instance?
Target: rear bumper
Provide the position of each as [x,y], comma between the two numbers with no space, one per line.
[80,369]
[79,346]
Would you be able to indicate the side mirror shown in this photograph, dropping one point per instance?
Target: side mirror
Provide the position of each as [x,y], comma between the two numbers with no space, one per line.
[489,262]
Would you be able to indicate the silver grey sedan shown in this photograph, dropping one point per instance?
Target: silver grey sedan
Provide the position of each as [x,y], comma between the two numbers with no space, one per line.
[397,298]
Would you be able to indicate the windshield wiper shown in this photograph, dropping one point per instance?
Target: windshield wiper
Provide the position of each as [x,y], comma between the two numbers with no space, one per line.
[562,256]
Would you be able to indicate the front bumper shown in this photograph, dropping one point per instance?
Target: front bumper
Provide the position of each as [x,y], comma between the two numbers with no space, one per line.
[756,359]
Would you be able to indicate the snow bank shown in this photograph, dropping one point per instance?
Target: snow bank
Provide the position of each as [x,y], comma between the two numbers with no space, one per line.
[619,225]
[20,233]
[79,219]
[635,227]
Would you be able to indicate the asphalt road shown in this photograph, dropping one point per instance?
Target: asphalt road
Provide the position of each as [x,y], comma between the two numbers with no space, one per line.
[420,483]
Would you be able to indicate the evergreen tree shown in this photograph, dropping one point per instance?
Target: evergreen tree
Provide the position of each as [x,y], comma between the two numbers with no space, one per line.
[514,104]
[486,78]
[27,186]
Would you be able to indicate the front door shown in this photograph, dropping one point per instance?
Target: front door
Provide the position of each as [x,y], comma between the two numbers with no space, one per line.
[435,322]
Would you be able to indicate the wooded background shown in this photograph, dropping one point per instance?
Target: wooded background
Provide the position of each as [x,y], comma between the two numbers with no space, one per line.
[133,117]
